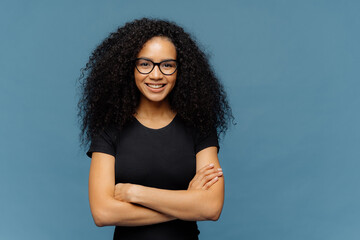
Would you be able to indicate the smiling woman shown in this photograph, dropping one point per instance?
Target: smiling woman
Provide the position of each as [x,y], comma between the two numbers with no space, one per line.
[153,120]
[150,79]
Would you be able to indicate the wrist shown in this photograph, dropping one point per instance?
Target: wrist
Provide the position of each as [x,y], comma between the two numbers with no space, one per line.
[135,191]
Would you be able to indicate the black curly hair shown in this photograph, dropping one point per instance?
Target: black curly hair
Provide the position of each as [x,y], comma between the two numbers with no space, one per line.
[109,96]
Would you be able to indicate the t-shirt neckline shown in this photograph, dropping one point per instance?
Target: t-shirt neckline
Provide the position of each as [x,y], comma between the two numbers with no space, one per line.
[156,129]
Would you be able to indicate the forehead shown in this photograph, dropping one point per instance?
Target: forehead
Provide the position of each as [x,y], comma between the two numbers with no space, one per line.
[158,49]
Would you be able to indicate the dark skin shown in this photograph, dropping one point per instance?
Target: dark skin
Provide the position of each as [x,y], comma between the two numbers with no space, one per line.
[154,111]
[203,200]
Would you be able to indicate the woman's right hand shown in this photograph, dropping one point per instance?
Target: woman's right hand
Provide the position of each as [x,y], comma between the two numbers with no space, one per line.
[205,178]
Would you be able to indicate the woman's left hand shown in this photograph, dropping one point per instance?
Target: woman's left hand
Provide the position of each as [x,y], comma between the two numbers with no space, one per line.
[123,191]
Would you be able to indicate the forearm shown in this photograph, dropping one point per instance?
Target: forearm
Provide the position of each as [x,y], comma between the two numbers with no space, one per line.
[113,212]
[191,205]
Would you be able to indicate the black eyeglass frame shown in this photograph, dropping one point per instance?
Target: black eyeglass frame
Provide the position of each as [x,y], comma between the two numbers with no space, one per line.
[157,64]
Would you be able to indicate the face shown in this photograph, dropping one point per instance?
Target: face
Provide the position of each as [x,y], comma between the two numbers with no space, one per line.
[155,86]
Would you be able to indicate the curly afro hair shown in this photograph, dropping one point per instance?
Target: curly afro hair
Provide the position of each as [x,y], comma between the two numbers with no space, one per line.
[109,96]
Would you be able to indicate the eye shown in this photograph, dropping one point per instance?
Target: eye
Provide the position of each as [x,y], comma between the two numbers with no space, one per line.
[142,63]
[170,64]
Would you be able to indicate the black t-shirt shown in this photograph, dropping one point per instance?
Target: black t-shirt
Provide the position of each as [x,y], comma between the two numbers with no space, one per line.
[161,158]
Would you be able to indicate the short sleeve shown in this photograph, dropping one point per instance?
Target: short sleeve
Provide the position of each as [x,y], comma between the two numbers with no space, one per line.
[207,140]
[103,142]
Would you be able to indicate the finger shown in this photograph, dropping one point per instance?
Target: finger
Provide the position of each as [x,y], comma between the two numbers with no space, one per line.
[206,167]
[201,171]
[209,172]
[200,174]
[199,180]
[210,177]
[213,170]
[210,183]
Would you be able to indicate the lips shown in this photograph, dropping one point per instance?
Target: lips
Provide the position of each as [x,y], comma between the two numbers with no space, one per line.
[155,86]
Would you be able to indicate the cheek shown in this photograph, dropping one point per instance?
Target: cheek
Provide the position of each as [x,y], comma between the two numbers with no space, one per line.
[173,83]
[138,78]
[174,80]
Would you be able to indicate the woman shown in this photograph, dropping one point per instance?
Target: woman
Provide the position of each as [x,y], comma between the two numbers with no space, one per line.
[153,109]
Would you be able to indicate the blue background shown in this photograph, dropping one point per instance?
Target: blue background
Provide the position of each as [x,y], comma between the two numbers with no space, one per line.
[291,70]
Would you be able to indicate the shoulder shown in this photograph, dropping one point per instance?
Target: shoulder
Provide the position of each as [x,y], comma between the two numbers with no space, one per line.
[201,140]
[104,141]
[109,132]
[208,139]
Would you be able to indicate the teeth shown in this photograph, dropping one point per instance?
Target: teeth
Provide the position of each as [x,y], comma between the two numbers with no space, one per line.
[155,86]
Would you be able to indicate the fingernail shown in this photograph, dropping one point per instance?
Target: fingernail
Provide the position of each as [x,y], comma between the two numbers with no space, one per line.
[219,169]
[211,164]
[220,173]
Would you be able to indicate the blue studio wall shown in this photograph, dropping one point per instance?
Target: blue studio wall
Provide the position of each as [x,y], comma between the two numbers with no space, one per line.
[291,70]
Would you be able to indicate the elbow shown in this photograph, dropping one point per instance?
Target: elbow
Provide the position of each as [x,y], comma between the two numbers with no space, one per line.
[100,218]
[98,223]
[214,216]
[214,212]
[102,212]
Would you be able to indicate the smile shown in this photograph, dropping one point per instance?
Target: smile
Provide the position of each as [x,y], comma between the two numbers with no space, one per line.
[155,86]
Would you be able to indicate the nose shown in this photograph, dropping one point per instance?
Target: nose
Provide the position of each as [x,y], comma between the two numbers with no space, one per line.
[156,73]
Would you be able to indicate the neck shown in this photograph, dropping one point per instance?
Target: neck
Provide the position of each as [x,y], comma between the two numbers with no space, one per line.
[150,110]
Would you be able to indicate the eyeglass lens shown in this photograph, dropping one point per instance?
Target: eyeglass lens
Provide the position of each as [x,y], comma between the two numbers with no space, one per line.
[145,66]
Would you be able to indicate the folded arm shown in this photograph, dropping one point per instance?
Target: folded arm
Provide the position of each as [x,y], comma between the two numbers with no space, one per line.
[191,204]
[105,209]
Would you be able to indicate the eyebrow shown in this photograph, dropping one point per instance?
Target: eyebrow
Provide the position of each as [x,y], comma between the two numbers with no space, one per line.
[166,59]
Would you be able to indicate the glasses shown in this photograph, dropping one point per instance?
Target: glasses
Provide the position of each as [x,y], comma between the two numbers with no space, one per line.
[145,66]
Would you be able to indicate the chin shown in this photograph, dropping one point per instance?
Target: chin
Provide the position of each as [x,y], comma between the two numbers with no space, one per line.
[155,99]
